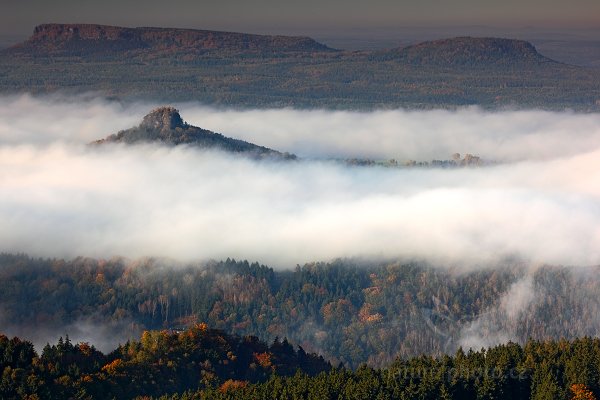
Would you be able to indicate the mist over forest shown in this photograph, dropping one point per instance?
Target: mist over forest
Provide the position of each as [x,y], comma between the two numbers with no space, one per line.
[537,203]
[315,201]
[359,263]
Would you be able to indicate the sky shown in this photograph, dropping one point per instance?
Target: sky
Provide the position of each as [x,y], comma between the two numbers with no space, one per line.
[20,16]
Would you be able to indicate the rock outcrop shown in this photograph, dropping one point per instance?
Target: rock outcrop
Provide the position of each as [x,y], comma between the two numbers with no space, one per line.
[165,126]
[80,39]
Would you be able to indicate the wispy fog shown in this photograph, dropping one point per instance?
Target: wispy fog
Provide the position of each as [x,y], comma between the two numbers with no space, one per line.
[61,198]
[398,134]
[501,324]
[105,335]
[406,135]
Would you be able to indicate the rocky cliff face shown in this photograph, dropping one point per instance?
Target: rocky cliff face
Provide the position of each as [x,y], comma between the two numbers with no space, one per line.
[85,37]
[163,119]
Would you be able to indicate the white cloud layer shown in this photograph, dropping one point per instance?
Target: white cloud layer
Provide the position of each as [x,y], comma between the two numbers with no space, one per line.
[409,135]
[60,198]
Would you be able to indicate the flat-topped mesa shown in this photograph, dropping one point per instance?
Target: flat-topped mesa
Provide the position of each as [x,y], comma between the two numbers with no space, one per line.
[164,125]
[470,51]
[94,38]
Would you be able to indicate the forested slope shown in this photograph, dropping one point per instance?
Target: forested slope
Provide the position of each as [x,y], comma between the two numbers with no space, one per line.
[348,311]
[159,362]
[202,363]
[241,70]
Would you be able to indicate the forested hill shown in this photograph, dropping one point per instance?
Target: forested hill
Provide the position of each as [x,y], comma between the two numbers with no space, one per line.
[204,364]
[82,39]
[165,125]
[219,68]
[471,51]
[159,362]
[347,311]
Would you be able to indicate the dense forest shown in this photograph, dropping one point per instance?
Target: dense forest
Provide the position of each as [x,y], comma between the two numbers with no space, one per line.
[203,363]
[350,311]
[160,362]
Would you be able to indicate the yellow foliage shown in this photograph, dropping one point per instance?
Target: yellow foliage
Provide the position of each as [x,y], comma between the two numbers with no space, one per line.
[113,367]
[64,380]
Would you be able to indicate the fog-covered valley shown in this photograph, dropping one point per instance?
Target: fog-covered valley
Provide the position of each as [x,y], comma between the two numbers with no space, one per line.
[538,204]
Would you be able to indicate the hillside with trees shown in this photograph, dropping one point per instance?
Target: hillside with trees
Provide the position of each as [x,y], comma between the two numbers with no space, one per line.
[203,363]
[159,362]
[348,311]
[258,71]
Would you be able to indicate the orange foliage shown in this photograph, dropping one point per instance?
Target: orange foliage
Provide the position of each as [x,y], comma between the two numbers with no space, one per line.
[366,314]
[581,392]
[85,348]
[263,359]
[202,327]
[113,367]
[231,385]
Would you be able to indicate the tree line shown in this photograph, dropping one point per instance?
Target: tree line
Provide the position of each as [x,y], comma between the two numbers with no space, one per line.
[352,312]
[204,363]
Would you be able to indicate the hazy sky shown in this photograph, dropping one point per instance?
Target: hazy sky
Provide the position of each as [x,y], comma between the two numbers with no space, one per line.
[20,16]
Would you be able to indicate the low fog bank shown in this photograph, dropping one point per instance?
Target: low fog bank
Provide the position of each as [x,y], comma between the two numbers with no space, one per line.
[25,119]
[61,198]
[105,335]
[551,304]
[188,204]
[542,303]
[403,135]
[409,135]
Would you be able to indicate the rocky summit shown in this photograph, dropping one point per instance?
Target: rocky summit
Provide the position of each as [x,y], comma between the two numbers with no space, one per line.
[85,39]
[164,125]
[163,119]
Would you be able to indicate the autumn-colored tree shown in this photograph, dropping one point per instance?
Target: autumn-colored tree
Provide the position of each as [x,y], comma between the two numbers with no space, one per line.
[231,385]
[263,359]
[581,392]
[113,367]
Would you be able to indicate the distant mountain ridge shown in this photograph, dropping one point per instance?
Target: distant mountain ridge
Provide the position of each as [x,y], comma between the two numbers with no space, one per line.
[470,51]
[260,71]
[84,38]
[165,125]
